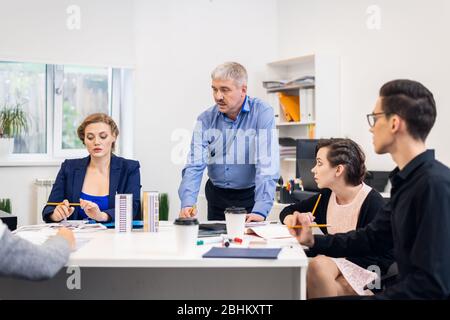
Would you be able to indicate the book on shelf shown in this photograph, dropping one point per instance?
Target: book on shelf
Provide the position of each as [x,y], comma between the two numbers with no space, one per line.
[311,131]
[291,106]
[278,84]
[308,80]
[288,147]
[287,152]
[273,84]
[307,104]
[275,104]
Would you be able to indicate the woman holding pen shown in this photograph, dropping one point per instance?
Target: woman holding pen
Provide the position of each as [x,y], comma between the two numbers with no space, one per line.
[344,203]
[86,188]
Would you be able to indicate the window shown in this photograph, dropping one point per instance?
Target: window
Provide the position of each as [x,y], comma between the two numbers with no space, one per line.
[80,91]
[24,84]
[56,99]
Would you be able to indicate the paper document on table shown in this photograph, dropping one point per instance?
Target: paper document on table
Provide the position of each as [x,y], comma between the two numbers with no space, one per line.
[270,231]
[37,237]
[38,234]
[260,223]
[77,226]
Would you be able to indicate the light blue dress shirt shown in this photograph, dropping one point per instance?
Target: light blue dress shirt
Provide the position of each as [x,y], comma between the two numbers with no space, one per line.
[239,154]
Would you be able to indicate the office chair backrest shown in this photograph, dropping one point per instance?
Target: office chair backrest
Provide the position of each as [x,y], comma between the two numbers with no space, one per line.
[377,179]
[306,160]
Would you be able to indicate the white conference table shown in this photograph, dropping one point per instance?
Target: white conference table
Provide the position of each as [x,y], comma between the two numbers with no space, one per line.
[144,265]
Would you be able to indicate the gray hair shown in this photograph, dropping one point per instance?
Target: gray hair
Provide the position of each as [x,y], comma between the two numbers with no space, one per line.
[230,70]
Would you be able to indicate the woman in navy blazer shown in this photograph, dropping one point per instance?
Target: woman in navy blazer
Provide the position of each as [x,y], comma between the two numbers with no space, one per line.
[94,181]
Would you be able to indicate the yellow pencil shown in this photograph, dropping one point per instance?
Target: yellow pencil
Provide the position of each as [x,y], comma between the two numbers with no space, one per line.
[317,202]
[311,226]
[58,203]
[192,209]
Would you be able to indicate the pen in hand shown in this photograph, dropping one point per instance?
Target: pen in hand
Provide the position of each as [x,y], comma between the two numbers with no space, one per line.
[192,211]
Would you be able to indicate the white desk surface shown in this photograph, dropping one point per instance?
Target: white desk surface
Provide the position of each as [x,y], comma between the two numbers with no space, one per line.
[145,249]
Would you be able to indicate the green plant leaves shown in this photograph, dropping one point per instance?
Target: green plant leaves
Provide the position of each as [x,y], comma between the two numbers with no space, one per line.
[163,206]
[13,121]
[5,205]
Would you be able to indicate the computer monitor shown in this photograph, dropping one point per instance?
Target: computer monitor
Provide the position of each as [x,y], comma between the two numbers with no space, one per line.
[306,160]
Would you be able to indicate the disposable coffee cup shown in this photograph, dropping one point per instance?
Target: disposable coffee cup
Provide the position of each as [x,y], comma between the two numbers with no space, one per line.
[235,221]
[186,233]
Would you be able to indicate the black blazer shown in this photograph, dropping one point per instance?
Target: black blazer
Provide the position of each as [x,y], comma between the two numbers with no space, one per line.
[373,202]
[124,177]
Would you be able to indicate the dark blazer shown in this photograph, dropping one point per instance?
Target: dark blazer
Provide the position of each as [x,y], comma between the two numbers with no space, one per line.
[369,209]
[124,177]
[415,223]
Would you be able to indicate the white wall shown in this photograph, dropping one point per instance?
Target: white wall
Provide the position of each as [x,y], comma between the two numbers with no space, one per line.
[178,43]
[412,43]
[36,31]
[17,184]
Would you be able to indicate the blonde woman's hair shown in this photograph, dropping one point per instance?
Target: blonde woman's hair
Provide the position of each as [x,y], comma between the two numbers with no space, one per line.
[96,118]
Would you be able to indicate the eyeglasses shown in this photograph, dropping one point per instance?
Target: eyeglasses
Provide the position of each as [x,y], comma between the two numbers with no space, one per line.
[372,117]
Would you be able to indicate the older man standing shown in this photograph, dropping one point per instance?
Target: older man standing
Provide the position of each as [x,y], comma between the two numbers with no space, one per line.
[237,141]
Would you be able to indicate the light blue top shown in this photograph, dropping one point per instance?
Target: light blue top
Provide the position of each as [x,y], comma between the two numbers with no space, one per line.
[101,201]
[239,154]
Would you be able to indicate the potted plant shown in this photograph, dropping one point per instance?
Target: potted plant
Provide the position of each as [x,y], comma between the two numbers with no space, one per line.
[163,207]
[5,205]
[13,122]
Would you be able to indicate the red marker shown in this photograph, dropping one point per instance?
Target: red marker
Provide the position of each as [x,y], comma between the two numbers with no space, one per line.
[237,240]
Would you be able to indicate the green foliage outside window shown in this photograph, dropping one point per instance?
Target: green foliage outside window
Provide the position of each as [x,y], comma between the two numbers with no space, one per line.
[70,138]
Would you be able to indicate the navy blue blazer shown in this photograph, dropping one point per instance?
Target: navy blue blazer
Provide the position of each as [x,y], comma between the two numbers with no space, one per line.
[124,177]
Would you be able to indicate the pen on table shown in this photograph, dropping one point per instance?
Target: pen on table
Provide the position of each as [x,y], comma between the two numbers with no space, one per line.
[209,240]
[315,206]
[227,241]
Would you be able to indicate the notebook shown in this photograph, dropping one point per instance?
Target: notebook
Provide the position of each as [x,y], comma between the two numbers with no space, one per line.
[251,253]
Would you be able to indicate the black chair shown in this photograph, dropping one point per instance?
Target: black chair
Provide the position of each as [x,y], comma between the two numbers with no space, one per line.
[306,160]
[9,220]
[377,179]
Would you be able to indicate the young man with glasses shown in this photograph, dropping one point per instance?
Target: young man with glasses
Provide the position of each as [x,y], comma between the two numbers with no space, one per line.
[416,221]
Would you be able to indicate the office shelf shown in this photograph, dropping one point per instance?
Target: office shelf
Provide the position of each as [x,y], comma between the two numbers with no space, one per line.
[294,123]
[321,116]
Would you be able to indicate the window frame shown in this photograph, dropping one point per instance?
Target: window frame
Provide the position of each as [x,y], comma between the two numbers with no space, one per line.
[54,154]
[58,151]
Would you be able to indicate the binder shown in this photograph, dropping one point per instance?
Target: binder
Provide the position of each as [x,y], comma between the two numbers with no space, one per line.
[307,102]
[249,253]
[290,106]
